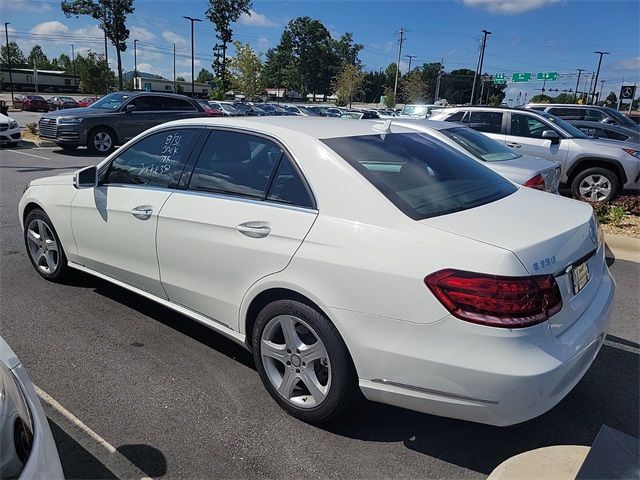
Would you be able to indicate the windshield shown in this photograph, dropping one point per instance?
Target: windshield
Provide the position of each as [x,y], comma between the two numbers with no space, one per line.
[111,101]
[67,99]
[419,175]
[623,119]
[479,145]
[414,110]
[228,108]
[567,127]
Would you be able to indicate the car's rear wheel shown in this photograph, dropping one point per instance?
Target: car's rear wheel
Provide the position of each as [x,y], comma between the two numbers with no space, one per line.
[595,184]
[101,140]
[303,362]
[43,246]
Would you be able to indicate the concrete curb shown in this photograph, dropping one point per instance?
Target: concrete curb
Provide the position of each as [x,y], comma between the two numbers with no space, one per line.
[623,247]
[561,462]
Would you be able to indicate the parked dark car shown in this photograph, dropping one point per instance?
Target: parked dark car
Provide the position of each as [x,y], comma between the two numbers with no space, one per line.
[115,119]
[608,131]
[60,103]
[275,110]
[250,110]
[589,113]
[31,103]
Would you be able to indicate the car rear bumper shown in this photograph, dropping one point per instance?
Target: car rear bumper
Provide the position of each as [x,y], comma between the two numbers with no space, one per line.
[483,374]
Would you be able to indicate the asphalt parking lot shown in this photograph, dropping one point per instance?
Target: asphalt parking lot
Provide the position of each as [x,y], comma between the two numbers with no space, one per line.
[179,401]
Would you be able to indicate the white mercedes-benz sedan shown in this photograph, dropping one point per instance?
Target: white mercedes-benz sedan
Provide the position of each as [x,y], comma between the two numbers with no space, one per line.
[347,256]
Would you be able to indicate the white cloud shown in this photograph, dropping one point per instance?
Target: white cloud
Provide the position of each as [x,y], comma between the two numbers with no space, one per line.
[263,43]
[26,6]
[185,75]
[50,28]
[173,38]
[140,33]
[255,19]
[93,33]
[187,63]
[509,6]
[631,64]
[148,68]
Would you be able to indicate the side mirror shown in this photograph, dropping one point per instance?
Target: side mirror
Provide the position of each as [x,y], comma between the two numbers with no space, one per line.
[86,177]
[129,108]
[551,135]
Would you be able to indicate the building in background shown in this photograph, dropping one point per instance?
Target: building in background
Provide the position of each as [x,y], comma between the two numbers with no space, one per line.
[162,85]
[27,80]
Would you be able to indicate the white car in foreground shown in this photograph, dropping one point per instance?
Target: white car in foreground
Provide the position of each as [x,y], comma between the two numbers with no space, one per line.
[27,449]
[344,254]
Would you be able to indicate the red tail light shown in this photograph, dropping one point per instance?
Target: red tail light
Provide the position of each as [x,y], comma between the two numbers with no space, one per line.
[508,302]
[536,182]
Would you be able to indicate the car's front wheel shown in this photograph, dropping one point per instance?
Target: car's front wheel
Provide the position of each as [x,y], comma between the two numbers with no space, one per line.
[303,362]
[44,247]
[101,140]
[595,184]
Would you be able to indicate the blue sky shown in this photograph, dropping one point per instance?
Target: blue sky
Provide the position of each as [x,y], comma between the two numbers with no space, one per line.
[528,35]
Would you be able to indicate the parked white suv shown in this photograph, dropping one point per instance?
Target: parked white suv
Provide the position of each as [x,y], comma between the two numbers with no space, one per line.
[595,169]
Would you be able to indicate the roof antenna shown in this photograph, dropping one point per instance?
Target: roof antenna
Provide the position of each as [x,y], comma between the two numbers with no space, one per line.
[383,127]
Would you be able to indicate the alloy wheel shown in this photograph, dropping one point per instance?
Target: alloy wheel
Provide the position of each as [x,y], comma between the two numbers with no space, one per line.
[595,188]
[43,247]
[102,141]
[295,361]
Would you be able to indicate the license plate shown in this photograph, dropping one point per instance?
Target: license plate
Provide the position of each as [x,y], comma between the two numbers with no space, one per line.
[581,276]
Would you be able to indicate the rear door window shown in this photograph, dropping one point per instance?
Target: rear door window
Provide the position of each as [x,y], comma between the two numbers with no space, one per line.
[488,122]
[420,175]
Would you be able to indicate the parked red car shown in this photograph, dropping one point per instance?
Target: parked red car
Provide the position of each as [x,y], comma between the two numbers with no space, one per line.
[31,103]
[210,110]
[86,101]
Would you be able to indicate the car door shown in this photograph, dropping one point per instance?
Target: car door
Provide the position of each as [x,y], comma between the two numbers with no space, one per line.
[114,224]
[245,213]
[524,136]
[130,123]
[172,108]
[491,123]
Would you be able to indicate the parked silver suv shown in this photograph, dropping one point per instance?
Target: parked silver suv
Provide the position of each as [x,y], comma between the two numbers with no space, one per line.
[590,113]
[595,169]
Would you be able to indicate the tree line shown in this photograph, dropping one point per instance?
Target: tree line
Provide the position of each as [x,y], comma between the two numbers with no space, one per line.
[307,60]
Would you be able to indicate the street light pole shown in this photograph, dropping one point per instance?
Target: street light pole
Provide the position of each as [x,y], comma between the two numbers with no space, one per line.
[480,62]
[6,34]
[411,57]
[135,62]
[575,95]
[395,85]
[595,84]
[192,20]
[602,82]
[73,63]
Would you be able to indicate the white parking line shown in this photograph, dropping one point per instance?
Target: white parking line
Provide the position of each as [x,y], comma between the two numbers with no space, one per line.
[29,154]
[97,446]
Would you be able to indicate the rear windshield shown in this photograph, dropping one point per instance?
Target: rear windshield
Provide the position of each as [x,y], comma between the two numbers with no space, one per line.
[420,176]
[567,127]
[479,145]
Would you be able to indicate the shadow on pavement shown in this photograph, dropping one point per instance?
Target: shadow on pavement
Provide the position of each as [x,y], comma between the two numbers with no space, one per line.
[35,168]
[147,458]
[608,394]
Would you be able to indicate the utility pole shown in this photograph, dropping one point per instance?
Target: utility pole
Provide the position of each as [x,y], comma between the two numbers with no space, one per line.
[575,95]
[440,72]
[192,20]
[595,84]
[6,34]
[480,62]
[174,68]
[395,86]
[411,57]
[135,62]
[602,82]
[73,63]
[631,103]
[620,96]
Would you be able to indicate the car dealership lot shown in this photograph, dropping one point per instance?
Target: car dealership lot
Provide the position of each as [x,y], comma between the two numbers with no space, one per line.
[181,401]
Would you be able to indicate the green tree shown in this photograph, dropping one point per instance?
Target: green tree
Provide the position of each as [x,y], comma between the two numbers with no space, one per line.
[204,76]
[246,68]
[95,75]
[564,98]
[180,79]
[222,13]
[390,74]
[373,86]
[280,67]
[542,99]
[413,88]
[429,73]
[455,86]
[38,59]
[389,97]
[14,54]
[112,15]
[348,82]
[611,100]
[63,62]
[347,51]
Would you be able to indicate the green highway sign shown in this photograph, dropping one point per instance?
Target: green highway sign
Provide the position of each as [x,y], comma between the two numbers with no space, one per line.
[521,77]
[551,76]
[499,81]
[499,76]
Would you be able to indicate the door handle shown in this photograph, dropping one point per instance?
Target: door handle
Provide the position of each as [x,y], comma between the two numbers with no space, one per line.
[254,229]
[143,212]
[513,145]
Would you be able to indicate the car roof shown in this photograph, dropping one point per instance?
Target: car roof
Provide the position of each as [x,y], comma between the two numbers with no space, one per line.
[565,105]
[315,127]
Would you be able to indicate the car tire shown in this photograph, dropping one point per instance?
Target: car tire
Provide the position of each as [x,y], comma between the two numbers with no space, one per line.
[67,146]
[595,184]
[40,238]
[314,357]
[101,141]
